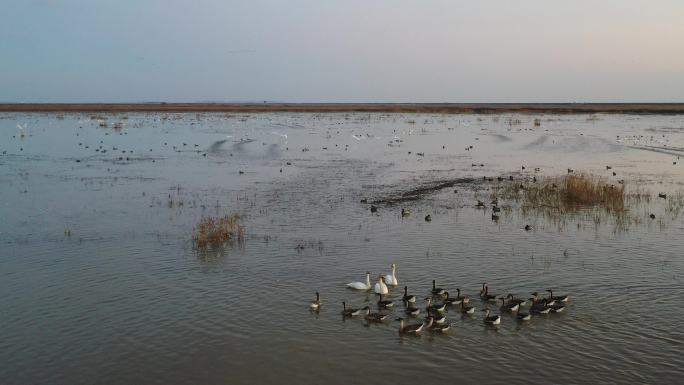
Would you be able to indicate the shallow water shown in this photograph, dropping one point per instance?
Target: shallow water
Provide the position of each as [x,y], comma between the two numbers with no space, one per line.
[101,284]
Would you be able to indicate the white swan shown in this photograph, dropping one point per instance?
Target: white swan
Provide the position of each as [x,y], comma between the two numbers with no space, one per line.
[391,279]
[380,287]
[361,285]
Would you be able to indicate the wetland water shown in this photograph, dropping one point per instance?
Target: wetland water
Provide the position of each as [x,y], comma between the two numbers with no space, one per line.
[100,282]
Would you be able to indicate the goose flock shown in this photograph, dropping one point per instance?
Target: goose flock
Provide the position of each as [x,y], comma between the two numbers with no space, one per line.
[440,302]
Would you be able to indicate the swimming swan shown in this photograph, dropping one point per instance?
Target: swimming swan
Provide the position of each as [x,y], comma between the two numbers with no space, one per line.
[380,287]
[391,279]
[361,285]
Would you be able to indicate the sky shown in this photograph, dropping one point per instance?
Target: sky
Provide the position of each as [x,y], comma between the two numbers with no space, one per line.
[341,51]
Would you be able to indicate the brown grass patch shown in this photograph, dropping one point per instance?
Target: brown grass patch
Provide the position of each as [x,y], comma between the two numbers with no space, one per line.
[212,232]
[571,193]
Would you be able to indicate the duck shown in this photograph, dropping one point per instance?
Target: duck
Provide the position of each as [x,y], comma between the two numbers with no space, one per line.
[484,293]
[428,218]
[391,279]
[512,306]
[491,320]
[405,212]
[407,297]
[409,328]
[385,303]
[349,312]
[380,287]
[437,290]
[374,317]
[452,300]
[480,203]
[561,298]
[429,306]
[466,309]
[316,304]
[496,209]
[361,285]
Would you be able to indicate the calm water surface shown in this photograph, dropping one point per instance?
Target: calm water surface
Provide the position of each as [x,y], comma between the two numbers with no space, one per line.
[100,282]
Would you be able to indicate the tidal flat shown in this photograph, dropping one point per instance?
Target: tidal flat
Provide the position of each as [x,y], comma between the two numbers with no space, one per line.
[103,282]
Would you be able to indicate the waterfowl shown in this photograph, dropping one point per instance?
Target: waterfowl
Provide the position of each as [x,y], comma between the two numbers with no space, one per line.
[316,304]
[412,310]
[349,312]
[428,218]
[465,309]
[437,290]
[557,308]
[496,209]
[410,328]
[519,301]
[361,285]
[512,307]
[385,303]
[491,320]
[484,293]
[380,287]
[441,328]
[436,307]
[462,297]
[407,297]
[405,212]
[452,300]
[391,279]
[434,326]
[374,209]
[521,316]
[374,317]
[480,204]
[547,301]
[436,317]
[561,298]
[539,307]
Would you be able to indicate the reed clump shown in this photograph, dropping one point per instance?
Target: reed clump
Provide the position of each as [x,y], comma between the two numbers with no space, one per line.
[215,231]
[572,192]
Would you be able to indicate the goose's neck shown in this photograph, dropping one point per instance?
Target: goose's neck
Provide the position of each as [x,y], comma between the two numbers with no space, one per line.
[368,280]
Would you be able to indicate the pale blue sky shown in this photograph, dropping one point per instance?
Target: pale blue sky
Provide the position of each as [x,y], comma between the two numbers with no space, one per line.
[341,51]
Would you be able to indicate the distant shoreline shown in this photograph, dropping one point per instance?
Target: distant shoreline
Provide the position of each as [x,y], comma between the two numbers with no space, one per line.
[441,108]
